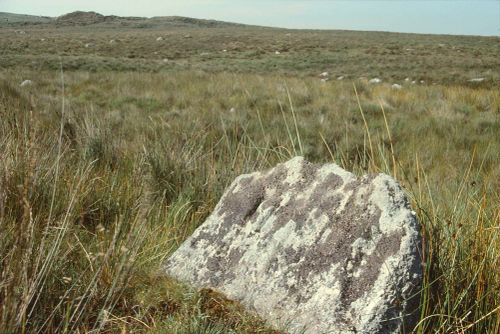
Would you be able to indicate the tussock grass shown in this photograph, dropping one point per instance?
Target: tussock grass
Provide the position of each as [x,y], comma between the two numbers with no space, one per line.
[96,193]
[440,59]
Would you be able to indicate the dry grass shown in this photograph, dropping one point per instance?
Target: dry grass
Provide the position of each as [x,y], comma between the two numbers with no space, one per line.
[392,57]
[96,193]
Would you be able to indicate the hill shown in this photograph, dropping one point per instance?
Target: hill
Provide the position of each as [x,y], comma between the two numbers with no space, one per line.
[82,18]
[10,18]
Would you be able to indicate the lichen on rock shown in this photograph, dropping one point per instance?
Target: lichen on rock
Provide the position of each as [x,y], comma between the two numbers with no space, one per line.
[311,249]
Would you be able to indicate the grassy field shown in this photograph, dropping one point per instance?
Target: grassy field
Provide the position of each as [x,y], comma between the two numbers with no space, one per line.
[107,166]
[132,45]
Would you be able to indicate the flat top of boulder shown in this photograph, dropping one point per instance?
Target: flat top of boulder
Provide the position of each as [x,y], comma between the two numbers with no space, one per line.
[310,249]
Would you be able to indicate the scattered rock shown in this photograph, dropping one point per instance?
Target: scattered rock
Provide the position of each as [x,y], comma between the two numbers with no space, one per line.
[407,79]
[277,52]
[413,82]
[325,80]
[396,86]
[232,110]
[187,36]
[224,50]
[165,60]
[313,247]
[324,75]
[112,41]
[477,80]
[341,77]
[422,82]
[26,83]
[375,81]
[158,39]
[88,45]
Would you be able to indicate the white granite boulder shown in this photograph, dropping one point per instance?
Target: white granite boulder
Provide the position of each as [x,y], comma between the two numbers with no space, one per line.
[311,249]
[26,83]
[375,81]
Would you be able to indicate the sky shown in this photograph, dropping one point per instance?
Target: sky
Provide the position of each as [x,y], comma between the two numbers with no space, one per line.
[457,17]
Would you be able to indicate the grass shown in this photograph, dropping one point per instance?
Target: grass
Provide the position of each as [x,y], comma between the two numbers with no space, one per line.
[392,57]
[107,167]
[96,193]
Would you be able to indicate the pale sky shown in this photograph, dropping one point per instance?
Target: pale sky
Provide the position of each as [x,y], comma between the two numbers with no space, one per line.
[473,17]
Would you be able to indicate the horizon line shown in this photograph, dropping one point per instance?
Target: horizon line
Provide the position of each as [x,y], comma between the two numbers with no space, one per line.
[265,26]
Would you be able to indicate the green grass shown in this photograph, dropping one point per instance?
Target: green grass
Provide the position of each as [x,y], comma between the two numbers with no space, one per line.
[95,193]
[105,170]
[392,57]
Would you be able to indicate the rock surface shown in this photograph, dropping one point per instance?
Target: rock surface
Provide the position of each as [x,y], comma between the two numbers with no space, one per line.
[26,83]
[311,249]
[375,81]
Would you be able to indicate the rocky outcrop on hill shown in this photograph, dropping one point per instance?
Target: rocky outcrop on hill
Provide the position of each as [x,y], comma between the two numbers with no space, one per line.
[80,18]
